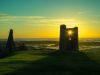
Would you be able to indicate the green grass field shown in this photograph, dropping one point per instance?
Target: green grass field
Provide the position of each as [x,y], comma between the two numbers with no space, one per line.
[49,62]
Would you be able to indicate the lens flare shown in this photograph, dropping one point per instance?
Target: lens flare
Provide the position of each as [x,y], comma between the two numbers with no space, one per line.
[70,32]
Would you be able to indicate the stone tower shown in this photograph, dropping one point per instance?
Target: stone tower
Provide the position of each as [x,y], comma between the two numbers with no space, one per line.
[10,46]
[68,39]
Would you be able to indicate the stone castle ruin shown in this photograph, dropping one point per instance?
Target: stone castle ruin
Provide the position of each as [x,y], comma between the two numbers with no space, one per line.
[10,42]
[68,39]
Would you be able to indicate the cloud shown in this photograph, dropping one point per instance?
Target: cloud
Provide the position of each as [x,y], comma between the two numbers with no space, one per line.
[33,20]
[3,14]
[81,13]
[96,22]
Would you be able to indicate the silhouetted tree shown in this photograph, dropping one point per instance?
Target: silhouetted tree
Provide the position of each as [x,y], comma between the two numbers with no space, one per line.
[10,46]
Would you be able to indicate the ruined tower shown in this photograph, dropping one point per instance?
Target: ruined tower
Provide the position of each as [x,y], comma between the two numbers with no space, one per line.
[68,39]
[10,42]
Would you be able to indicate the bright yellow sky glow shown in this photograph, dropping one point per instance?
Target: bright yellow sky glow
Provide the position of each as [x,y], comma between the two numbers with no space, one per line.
[51,29]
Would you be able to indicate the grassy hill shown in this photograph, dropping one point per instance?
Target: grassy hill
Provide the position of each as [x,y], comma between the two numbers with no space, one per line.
[49,62]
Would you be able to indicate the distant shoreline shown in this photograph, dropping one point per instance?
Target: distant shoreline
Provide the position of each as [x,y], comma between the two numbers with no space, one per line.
[53,39]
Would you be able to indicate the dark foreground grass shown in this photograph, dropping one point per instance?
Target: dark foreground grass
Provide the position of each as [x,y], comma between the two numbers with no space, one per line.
[46,62]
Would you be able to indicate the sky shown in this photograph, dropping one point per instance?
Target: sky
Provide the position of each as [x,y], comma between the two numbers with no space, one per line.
[42,18]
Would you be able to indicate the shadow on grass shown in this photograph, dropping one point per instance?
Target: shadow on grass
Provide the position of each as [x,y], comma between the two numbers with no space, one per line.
[6,54]
[56,63]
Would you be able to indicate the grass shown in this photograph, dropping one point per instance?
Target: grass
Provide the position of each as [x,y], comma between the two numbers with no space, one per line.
[49,62]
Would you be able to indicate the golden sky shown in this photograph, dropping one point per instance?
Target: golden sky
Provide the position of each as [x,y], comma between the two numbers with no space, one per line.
[42,18]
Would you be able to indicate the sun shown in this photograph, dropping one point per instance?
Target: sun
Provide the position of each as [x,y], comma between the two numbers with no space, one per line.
[70,32]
